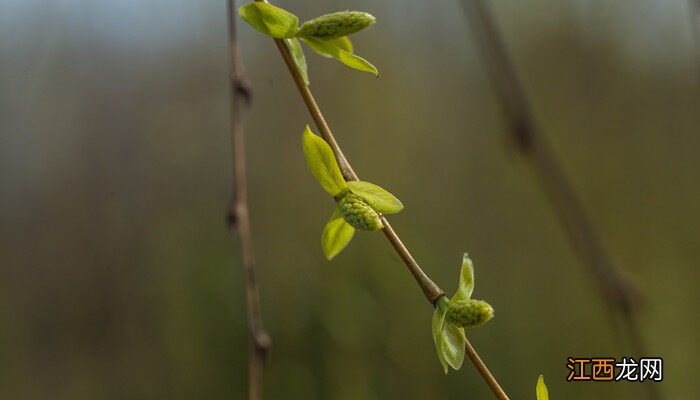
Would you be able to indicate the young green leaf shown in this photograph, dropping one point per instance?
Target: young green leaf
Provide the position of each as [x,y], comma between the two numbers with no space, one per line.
[322,163]
[466,280]
[541,389]
[343,43]
[270,20]
[379,199]
[326,48]
[452,345]
[336,235]
[438,324]
[297,53]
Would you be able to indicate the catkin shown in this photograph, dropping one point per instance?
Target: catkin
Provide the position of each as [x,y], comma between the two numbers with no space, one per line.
[358,213]
[469,313]
[336,25]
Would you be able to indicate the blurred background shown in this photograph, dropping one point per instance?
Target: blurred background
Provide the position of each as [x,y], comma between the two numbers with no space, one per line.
[119,279]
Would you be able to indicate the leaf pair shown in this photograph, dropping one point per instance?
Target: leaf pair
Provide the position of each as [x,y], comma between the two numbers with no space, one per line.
[326,35]
[359,203]
[451,316]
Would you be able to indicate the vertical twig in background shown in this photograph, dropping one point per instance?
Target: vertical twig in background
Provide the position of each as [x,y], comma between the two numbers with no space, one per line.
[620,296]
[238,217]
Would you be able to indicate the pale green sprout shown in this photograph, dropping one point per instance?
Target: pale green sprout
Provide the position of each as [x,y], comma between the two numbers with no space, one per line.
[359,204]
[451,316]
[541,389]
[327,35]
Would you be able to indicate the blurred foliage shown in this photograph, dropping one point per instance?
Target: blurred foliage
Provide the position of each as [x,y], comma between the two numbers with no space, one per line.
[119,280]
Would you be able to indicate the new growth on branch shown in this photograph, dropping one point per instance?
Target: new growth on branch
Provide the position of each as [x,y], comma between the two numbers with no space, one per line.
[362,205]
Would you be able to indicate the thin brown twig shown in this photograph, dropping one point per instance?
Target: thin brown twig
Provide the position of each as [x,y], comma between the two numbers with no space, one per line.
[238,217]
[485,373]
[617,291]
[431,291]
[572,215]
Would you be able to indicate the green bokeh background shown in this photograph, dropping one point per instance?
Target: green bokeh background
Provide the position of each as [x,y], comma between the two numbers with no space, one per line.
[119,280]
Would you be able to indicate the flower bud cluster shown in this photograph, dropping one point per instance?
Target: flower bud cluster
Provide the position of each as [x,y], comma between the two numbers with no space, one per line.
[358,213]
[469,313]
[335,25]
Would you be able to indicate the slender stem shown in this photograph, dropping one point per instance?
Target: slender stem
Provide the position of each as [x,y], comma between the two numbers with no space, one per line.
[575,221]
[431,291]
[484,371]
[239,219]
[616,290]
[572,215]
[315,111]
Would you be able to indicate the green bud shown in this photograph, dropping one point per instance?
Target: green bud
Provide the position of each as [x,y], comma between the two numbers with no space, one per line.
[336,25]
[358,213]
[469,313]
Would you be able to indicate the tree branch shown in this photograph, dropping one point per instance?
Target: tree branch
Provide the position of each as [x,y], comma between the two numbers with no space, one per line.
[619,294]
[431,291]
[238,218]
[484,371]
[571,213]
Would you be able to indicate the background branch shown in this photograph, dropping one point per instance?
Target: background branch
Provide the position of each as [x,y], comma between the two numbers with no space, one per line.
[238,218]
[618,293]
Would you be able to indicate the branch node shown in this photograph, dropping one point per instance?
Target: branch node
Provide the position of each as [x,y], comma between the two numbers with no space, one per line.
[522,132]
[231,220]
[242,87]
[263,345]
